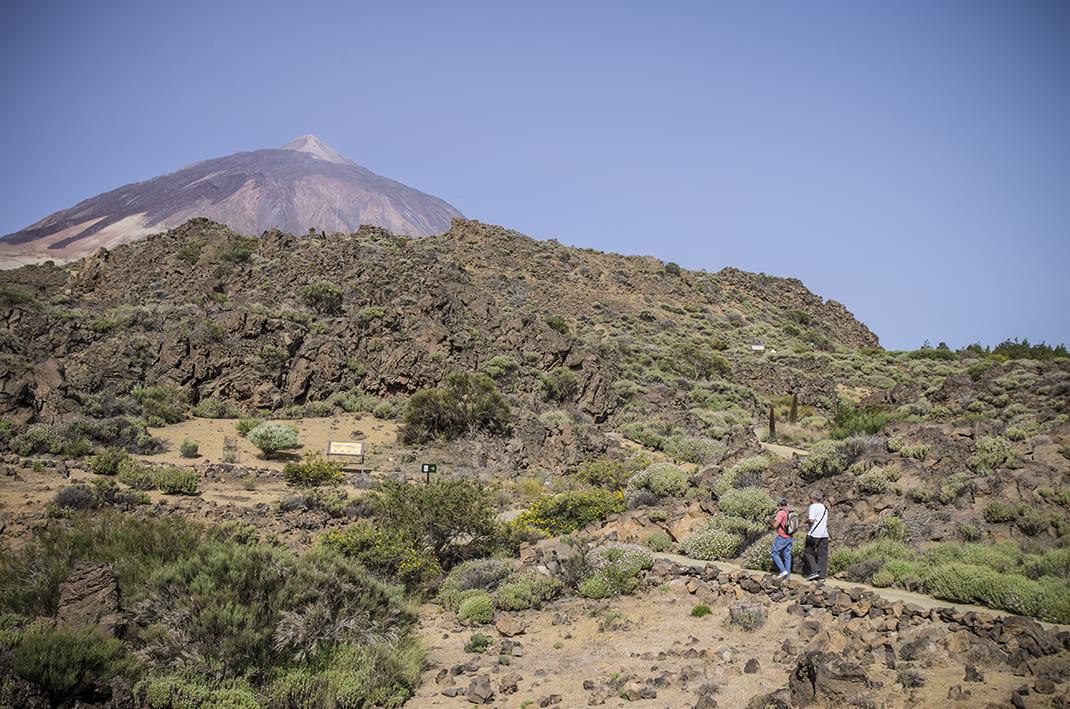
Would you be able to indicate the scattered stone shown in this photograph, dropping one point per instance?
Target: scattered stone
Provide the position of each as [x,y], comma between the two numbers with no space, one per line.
[751,667]
[479,691]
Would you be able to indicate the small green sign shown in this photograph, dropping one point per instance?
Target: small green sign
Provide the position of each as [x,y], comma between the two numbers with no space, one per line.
[428,468]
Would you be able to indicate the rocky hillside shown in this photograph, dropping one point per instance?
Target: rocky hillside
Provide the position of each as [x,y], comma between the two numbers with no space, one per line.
[749,384]
[590,349]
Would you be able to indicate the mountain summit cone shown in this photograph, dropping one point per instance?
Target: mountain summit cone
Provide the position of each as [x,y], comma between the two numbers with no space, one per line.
[301,186]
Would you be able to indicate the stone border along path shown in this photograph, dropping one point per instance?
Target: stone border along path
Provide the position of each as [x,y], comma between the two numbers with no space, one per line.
[925,604]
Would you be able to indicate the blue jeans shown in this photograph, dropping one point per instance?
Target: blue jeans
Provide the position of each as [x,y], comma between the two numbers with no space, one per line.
[782,553]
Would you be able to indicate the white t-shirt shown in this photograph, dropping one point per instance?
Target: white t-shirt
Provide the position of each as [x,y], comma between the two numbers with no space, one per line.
[819,513]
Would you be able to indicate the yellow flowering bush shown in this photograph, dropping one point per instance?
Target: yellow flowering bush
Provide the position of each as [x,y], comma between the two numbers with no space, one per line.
[569,511]
[386,553]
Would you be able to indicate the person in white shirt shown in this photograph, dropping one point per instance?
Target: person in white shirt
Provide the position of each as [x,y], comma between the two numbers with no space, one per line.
[816,548]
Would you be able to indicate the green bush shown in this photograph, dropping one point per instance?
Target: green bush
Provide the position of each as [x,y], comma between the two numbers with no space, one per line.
[466,404]
[662,479]
[560,384]
[273,436]
[192,691]
[66,663]
[188,448]
[480,574]
[161,405]
[990,453]
[452,520]
[478,643]
[37,439]
[828,458]
[108,461]
[700,611]
[531,590]
[750,503]
[247,607]
[613,570]
[558,323]
[873,482]
[133,474]
[851,421]
[315,471]
[612,474]
[569,511]
[998,511]
[216,409]
[388,554]
[689,449]
[247,423]
[476,608]
[658,541]
[176,481]
[118,431]
[323,297]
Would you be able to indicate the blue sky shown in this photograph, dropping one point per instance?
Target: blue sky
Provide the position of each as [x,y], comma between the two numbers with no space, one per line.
[910,159]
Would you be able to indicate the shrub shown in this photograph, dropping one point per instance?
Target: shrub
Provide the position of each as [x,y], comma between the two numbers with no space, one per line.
[467,403]
[216,409]
[480,574]
[323,297]
[658,541]
[133,474]
[77,497]
[66,663]
[613,570]
[452,520]
[273,436]
[990,454]
[532,590]
[611,474]
[662,479]
[176,481]
[188,448]
[476,608]
[246,424]
[558,323]
[107,461]
[389,554]
[478,643]
[245,607]
[119,431]
[313,472]
[700,611]
[998,511]
[711,544]
[569,511]
[160,405]
[38,438]
[560,384]
[688,449]
[830,458]
[873,482]
[750,503]
[851,421]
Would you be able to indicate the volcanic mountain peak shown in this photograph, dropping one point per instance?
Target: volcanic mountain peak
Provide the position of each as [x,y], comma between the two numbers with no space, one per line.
[302,185]
[316,148]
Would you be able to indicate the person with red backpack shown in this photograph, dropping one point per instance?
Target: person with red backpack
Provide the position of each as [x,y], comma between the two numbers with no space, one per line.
[786,521]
